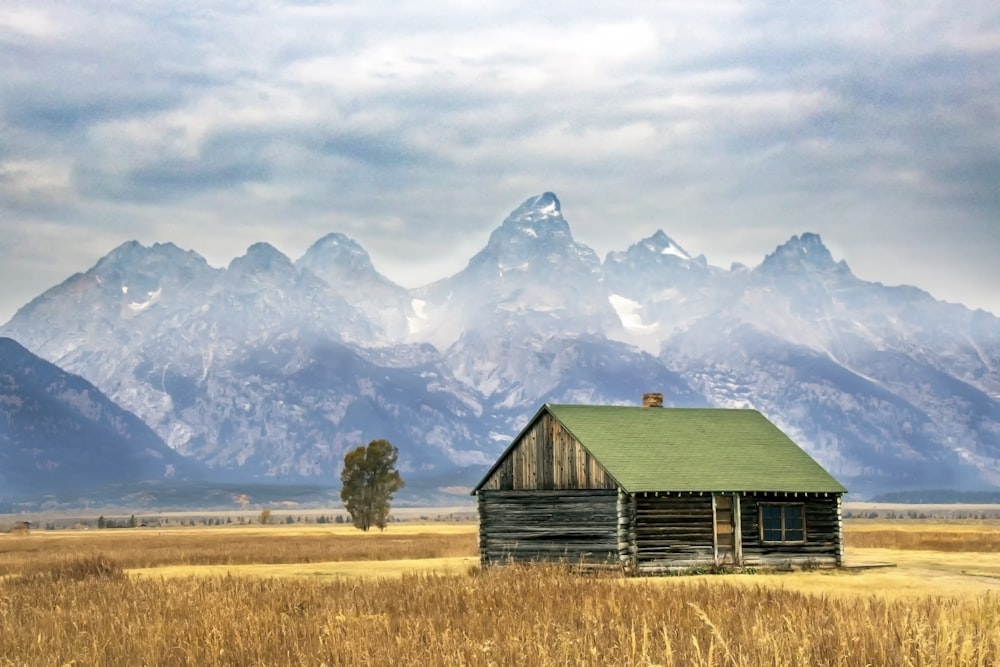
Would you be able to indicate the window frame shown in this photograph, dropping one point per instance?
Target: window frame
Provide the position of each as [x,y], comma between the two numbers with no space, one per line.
[784,507]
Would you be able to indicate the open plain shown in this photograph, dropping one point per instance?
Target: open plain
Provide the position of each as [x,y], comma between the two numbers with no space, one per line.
[314,594]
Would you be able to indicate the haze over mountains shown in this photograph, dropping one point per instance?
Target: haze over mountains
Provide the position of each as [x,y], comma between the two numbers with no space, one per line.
[273,368]
[59,433]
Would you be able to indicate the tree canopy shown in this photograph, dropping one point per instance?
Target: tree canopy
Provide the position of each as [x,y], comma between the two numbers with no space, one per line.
[369,479]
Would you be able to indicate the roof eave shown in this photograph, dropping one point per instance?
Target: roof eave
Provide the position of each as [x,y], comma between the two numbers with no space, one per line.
[840,490]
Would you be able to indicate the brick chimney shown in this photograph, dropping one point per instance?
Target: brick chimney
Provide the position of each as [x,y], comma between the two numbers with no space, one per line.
[654,400]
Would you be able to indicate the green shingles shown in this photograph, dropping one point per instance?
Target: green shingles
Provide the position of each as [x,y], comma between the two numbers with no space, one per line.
[693,449]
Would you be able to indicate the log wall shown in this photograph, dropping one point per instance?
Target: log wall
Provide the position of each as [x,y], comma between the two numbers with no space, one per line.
[823,546]
[548,457]
[673,532]
[645,533]
[572,526]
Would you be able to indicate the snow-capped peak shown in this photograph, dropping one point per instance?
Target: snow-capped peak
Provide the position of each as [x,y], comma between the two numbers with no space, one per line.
[802,252]
[545,204]
[534,210]
[664,245]
[535,229]
[657,248]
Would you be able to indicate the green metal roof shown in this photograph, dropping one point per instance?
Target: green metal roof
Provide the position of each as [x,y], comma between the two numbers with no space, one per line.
[693,449]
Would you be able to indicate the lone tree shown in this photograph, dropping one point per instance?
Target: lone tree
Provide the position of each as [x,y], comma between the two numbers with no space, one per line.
[369,479]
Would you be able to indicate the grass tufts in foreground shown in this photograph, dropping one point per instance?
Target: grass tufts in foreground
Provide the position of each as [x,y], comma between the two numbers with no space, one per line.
[516,615]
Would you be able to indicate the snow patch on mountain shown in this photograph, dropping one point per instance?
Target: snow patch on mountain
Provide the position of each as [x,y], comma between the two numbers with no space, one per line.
[628,312]
[151,298]
[419,319]
[660,243]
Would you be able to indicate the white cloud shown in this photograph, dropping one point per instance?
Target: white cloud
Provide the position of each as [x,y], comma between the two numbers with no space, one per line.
[29,22]
[415,127]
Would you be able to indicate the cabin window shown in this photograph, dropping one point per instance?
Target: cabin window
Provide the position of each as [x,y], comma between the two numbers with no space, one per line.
[782,524]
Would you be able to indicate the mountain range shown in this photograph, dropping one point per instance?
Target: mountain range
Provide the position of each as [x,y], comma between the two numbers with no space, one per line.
[53,425]
[272,368]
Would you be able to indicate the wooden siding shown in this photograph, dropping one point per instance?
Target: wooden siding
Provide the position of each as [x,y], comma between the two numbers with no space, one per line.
[555,526]
[823,545]
[673,532]
[548,457]
[651,533]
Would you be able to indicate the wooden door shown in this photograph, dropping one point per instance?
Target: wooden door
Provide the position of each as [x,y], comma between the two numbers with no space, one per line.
[728,545]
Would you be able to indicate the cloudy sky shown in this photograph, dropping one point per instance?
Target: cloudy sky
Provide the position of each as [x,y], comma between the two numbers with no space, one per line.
[415,127]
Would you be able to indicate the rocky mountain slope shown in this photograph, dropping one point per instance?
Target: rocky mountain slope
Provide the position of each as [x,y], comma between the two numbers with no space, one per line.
[59,433]
[274,368]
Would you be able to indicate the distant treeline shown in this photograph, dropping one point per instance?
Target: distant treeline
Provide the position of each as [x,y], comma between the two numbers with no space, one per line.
[940,496]
[180,495]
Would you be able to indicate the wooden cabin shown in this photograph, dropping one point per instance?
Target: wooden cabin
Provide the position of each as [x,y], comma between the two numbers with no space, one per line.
[653,489]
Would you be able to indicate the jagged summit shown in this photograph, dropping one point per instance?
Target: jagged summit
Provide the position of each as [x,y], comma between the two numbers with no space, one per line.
[659,245]
[664,245]
[338,243]
[802,253]
[261,257]
[656,265]
[336,250]
[658,250]
[262,268]
[124,251]
[532,275]
[545,204]
[539,217]
[138,274]
[536,234]
[133,253]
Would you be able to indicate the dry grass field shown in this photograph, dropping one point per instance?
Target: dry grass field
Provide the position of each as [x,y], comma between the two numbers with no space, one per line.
[413,596]
[967,536]
[293,544]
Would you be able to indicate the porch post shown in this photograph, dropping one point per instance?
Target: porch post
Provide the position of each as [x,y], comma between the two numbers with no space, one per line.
[737,531]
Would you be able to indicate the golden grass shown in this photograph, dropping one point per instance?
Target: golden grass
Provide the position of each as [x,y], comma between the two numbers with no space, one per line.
[915,574]
[149,548]
[292,595]
[366,569]
[508,616]
[979,536]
